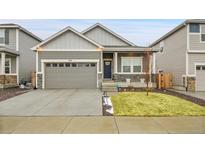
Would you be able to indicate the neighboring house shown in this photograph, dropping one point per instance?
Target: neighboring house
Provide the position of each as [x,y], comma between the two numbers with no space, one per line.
[17,60]
[182,52]
[70,59]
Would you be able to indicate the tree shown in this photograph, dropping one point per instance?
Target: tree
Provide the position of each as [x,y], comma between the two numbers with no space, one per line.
[148,54]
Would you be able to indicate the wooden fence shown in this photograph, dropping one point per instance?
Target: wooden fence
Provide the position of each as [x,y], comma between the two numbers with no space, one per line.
[164,81]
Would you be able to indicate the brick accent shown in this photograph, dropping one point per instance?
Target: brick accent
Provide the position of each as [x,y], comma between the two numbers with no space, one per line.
[191,83]
[39,81]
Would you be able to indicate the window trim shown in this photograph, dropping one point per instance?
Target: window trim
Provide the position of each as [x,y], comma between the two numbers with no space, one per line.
[7,66]
[131,65]
[3,44]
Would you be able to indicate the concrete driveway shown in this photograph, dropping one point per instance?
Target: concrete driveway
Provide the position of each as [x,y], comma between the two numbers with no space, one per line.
[64,102]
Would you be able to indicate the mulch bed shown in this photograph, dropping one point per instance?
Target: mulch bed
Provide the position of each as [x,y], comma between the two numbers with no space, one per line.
[11,92]
[168,92]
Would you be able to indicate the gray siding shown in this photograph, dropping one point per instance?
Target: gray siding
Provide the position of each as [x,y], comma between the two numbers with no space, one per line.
[173,57]
[195,58]
[104,38]
[69,55]
[12,39]
[69,40]
[27,58]
[195,42]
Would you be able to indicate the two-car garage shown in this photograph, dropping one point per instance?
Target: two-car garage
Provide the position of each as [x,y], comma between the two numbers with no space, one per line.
[64,75]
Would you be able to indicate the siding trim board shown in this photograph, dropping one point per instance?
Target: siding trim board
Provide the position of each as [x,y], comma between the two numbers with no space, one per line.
[43,61]
[57,50]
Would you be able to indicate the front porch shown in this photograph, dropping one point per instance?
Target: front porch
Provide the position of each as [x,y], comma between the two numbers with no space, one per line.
[127,69]
[9,62]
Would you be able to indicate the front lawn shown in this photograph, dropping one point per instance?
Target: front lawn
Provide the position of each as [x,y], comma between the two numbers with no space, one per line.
[156,104]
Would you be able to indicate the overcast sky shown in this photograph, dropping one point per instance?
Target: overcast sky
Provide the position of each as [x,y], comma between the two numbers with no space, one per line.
[140,32]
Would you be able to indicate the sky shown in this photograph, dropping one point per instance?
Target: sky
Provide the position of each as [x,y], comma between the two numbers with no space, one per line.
[141,32]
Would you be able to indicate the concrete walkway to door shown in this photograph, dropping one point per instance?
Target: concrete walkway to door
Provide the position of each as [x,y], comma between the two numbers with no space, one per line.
[65,102]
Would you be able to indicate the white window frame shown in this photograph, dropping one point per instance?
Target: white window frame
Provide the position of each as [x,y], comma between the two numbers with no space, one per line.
[131,65]
[4,37]
[9,59]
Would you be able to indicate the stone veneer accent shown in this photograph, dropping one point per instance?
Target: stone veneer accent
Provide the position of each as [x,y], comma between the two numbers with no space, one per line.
[8,79]
[133,77]
[100,80]
[191,83]
[39,81]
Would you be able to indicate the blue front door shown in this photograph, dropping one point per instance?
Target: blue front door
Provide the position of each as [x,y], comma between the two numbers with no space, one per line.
[107,69]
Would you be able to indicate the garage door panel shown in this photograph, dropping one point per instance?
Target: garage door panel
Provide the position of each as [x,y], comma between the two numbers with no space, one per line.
[71,77]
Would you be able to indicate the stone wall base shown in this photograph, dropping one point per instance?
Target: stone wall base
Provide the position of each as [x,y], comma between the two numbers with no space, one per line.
[39,81]
[8,81]
[133,77]
[191,81]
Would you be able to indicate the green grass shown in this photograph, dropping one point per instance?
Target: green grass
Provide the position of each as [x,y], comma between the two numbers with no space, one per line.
[156,104]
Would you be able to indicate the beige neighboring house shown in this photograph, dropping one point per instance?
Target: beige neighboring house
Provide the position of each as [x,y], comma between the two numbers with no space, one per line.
[17,60]
[182,52]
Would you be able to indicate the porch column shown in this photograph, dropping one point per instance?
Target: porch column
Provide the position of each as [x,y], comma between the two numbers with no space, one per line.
[17,69]
[115,62]
[3,55]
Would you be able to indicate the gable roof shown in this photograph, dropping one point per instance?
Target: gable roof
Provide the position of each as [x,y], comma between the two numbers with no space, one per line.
[11,25]
[63,31]
[199,21]
[108,30]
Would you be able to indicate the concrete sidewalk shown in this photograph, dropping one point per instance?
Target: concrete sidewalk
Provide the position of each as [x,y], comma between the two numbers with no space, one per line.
[102,125]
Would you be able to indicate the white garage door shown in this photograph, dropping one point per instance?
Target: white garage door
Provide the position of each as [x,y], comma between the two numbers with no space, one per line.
[200,78]
[70,75]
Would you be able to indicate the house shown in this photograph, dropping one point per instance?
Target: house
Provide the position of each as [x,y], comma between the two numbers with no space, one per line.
[182,52]
[17,60]
[70,59]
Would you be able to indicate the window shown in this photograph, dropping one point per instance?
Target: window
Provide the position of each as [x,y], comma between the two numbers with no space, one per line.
[87,65]
[48,65]
[2,36]
[131,64]
[92,65]
[8,65]
[74,64]
[194,28]
[67,64]
[198,67]
[202,37]
[61,64]
[55,65]
[126,65]
[203,68]
[137,65]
